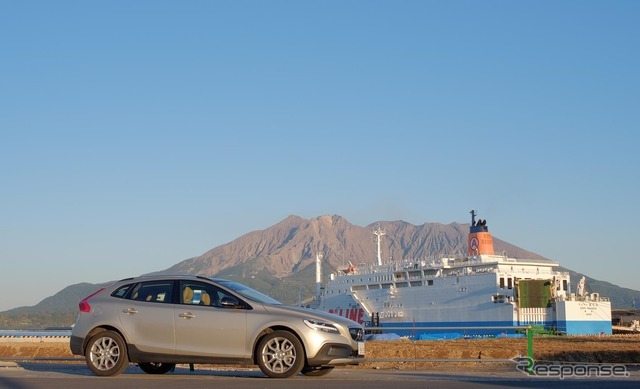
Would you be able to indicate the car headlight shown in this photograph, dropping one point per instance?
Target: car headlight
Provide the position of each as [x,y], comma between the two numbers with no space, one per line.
[322,326]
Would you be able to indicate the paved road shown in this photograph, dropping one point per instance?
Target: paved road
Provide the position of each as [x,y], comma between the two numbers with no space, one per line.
[39,375]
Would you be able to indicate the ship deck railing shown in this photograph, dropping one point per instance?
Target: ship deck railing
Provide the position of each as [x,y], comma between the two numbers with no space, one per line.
[450,263]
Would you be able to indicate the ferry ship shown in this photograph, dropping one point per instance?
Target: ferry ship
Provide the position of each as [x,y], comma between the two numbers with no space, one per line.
[479,290]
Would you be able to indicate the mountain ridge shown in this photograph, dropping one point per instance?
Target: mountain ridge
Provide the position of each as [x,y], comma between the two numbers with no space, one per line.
[280,260]
[292,243]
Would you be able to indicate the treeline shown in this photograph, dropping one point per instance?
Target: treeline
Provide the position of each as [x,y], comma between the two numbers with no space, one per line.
[36,320]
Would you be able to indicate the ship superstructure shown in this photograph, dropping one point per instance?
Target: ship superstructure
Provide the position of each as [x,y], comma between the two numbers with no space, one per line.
[481,289]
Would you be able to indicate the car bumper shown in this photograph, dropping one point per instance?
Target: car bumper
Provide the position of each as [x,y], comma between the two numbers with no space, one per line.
[75,344]
[336,355]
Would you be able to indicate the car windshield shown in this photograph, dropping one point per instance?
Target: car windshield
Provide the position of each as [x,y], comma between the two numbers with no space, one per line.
[249,293]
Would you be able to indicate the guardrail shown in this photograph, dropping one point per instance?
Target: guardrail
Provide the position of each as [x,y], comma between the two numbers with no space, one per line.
[528,333]
[30,335]
[34,338]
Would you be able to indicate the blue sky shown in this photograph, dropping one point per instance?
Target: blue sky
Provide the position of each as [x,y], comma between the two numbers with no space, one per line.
[138,134]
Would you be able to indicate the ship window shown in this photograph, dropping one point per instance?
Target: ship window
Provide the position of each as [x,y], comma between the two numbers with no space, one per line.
[402,284]
[501,282]
[509,283]
[564,284]
[430,282]
[416,283]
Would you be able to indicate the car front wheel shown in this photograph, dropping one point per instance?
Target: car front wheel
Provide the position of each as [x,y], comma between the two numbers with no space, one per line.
[280,354]
[106,354]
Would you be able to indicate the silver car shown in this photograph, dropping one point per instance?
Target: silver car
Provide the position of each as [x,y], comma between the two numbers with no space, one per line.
[159,321]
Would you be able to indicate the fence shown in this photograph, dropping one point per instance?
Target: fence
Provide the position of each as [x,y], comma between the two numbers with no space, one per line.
[528,333]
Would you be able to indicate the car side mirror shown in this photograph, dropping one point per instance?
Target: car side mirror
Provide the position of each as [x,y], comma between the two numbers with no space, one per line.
[229,302]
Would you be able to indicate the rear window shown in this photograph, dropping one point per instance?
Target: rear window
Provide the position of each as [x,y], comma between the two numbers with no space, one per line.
[121,291]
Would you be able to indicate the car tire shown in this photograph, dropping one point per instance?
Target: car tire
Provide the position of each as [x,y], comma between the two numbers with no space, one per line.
[156,367]
[317,371]
[106,354]
[280,354]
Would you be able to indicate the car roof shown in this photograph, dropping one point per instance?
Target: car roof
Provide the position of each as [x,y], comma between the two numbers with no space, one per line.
[170,277]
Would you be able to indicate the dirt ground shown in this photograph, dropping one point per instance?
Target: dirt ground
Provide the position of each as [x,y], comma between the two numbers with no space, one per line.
[609,349]
[606,349]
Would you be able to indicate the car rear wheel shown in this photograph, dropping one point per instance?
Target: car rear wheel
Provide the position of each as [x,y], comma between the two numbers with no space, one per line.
[106,354]
[317,371]
[280,354]
[156,367]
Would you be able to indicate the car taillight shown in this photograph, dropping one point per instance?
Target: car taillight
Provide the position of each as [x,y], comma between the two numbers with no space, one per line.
[84,304]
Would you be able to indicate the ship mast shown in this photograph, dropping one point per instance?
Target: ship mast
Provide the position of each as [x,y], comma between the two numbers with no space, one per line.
[318,275]
[379,234]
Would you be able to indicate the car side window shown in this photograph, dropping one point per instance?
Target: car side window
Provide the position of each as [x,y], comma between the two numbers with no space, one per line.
[121,291]
[153,291]
[200,293]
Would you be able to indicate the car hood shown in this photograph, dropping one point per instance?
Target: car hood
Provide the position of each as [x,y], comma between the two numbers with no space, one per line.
[308,313]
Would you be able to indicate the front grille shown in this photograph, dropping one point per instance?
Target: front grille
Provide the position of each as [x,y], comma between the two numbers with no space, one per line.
[357,333]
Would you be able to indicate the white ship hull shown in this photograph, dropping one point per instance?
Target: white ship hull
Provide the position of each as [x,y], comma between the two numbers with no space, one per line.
[485,290]
[584,317]
[478,292]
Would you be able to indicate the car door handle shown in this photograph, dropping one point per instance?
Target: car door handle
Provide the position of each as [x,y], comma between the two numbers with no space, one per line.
[187,315]
[130,311]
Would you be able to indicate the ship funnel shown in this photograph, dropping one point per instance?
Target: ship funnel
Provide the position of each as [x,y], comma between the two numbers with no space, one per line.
[480,240]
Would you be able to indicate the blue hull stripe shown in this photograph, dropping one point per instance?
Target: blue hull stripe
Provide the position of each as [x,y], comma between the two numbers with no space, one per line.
[585,327]
[569,327]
